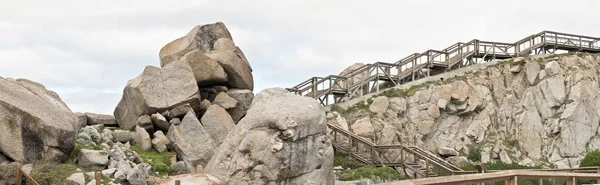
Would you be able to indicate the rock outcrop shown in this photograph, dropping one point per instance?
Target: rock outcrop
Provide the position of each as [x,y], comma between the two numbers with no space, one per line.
[244,98]
[191,141]
[536,111]
[156,90]
[34,122]
[202,37]
[282,138]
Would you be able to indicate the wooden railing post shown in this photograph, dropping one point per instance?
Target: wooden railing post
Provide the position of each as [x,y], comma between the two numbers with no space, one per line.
[98,177]
[18,174]
[177,182]
[426,168]
[598,172]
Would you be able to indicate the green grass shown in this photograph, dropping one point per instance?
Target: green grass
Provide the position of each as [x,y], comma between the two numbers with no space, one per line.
[47,172]
[341,159]
[592,158]
[512,143]
[498,165]
[383,173]
[160,162]
[474,154]
[358,106]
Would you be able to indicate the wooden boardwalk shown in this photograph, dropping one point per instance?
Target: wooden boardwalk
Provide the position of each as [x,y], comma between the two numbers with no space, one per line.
[380,75]
[429,168]
[510,177]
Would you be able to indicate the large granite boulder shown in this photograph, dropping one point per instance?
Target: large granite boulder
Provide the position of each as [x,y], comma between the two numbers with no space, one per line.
[156,90]
[94,119]
[92,159]
[202,37]
[239,74]
[191,141]
[218,123]
[282,139]
[206,70]
[34,122]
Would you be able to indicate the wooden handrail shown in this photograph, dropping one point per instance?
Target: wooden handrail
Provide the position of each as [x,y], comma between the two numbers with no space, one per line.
[521,47]
[19,173]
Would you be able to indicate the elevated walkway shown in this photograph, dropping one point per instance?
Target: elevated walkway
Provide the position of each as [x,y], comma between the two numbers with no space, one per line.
[380,75]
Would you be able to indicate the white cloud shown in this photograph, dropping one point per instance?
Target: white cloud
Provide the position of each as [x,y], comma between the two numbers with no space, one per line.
[87,50]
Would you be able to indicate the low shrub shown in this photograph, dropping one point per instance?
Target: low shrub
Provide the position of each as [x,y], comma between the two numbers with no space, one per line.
[592,158]
[383,173]
[474,154]
[160,162]
[49,172]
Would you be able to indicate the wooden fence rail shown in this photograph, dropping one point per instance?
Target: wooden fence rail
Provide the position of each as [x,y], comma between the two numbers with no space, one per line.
[19,173]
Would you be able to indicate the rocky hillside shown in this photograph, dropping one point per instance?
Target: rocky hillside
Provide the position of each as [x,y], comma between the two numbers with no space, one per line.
[543,110]
[194,119]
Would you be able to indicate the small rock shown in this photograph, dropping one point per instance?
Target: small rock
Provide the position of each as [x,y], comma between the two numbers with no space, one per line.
[442,103]
[458,160]
[519,60]
[159,145]
[180,167]
[122,168]
[159,134]
[516,69]
[220,88]
[142,138]
[175,121]
[165,113]
[363,127]
[225,101]
[446,152]
[180,111]
[109,172]
[116,154]
[121,136]
[338,168]
[204,104]
[98,127]
[146,122]
[76,179]
[139,174]
[27,168]
[329,115]
[433,111]
[92,159]
[160,122]
[379,105]
[107,135]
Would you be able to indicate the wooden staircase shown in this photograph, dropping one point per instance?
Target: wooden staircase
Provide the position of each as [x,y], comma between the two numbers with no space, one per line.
[409,160]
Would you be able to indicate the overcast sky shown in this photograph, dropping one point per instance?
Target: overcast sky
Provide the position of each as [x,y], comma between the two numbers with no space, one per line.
[87,51]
